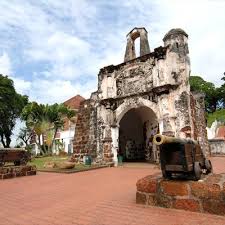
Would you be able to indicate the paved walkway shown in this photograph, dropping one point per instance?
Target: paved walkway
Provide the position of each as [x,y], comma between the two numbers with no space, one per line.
[99,197]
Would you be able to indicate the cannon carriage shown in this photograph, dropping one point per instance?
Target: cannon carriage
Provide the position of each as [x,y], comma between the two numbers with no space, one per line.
[18,156]
[181,156]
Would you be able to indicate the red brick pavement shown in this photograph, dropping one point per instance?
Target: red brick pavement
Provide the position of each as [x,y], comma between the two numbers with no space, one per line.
[98,197]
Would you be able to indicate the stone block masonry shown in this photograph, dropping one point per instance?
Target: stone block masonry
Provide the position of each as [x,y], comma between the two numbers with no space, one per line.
[17,171]
[206,196]
[85,141]
[199,121]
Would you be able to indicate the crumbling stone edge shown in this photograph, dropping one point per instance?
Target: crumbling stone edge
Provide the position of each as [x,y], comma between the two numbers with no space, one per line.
[205,196]
[17,171]
[72,170]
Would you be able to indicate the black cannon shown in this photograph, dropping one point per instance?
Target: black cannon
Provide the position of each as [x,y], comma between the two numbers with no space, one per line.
[17,156]
[181,156]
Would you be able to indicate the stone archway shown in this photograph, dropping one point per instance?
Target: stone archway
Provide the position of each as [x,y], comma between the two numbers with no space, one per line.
[146,115]
[136,130]
[135,103]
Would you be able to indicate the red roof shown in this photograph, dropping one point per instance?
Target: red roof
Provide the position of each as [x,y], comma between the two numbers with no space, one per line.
[74,102]
[221,132]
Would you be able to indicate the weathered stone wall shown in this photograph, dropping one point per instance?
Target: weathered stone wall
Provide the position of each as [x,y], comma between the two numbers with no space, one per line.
[17,171]
[85,131]
[160,77]
[199,121]
[217,147]
[206,196]
[158,80]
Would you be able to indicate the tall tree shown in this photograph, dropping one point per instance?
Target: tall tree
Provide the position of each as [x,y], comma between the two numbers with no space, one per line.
[222,91]
[212,94]
[34,115]
[25,135]
[11,106]
[56,114]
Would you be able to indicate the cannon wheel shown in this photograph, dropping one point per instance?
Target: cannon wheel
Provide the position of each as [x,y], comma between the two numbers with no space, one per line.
[208,166]
[197,171]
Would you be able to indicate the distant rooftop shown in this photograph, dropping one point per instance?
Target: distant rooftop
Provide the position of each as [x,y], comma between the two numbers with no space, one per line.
[74,102]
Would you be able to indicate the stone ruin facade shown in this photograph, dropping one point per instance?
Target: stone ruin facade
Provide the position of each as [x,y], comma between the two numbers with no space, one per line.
[139,98]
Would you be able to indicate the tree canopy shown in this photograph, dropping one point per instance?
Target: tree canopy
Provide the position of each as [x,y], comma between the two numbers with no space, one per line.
[44,121]
[25,135]
[11,106]
[222,91]
[214,96]
[218,115]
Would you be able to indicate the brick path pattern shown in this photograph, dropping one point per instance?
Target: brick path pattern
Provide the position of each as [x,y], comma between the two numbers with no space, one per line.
[98,197]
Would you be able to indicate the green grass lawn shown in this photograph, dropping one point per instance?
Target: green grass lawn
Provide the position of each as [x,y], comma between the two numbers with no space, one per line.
[40,162]
[218,115]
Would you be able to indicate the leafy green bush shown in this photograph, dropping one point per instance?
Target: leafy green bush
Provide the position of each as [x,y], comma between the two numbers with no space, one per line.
[218,115]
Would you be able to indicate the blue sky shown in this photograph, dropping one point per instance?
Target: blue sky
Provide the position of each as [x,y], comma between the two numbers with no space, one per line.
[53,49]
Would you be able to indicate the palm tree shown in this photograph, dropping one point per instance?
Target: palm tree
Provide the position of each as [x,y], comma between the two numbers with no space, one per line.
[45,121]
[57,113]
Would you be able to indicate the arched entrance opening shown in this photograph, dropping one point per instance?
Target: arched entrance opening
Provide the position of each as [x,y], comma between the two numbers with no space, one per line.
[136,130]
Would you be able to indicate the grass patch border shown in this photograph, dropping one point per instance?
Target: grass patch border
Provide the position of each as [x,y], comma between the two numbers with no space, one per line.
[69,171]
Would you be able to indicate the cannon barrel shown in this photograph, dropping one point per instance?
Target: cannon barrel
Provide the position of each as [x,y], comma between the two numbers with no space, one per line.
[160,139]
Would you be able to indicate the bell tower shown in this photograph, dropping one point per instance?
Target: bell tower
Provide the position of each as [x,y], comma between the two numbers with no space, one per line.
[144,45]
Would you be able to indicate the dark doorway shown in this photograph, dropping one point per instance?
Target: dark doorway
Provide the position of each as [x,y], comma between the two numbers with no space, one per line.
[137,127]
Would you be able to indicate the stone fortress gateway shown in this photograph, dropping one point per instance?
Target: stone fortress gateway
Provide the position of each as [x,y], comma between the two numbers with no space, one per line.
[139,98]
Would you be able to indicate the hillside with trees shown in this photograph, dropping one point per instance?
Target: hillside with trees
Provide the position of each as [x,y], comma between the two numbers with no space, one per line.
[214,98]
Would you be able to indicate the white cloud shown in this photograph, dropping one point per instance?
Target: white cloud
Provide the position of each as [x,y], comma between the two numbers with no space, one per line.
[204,22]
[22,86]
[51,91]
[5,64]
[63,52]
[54,49]
[59,47]
[61,44]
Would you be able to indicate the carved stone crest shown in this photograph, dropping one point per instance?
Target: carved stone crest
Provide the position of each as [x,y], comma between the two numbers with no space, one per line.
[119,87]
